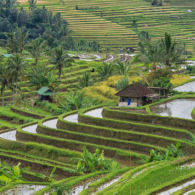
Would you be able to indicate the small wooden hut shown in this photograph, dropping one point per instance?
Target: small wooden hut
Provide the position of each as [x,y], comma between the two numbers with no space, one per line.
[134,95]
[45,94]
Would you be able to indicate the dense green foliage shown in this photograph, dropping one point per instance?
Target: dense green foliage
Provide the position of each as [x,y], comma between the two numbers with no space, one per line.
[165,52]
[121,84]
[23,25]
[160,78]
[9,174]
[40,76]
[173,151]
[92,162]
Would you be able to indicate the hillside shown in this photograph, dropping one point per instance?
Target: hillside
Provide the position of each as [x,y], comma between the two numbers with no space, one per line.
[110,21]
[80,119]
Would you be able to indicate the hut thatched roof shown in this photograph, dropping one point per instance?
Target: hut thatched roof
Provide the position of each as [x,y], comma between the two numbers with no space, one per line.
[45,91]
[134,90]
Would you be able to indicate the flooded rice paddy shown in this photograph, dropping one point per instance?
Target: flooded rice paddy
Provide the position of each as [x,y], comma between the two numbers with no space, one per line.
[10,135]
[51,123]
[72,118]
[180,108]
[188,87]
[95,113]
[23,189]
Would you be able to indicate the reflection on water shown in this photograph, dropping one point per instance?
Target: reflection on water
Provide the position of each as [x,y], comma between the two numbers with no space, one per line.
[72,118]
[188,87]
[10,135]
[23,189]
[95,113]
[175,189]
[51,123]
[30,129]
[181,108]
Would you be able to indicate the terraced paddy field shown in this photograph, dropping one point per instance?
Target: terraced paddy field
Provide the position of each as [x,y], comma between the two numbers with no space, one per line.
[110,21]
[69,80]
[125,135]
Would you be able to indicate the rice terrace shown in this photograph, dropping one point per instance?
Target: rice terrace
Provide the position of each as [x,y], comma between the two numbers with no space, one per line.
[97,97]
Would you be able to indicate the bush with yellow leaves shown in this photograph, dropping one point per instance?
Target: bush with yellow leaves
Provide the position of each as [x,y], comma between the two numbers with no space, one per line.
[178,79]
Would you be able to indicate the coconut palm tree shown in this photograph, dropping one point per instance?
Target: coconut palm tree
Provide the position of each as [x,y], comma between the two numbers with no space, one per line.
[171,51]
[149,52]
[16,41]
[60,59]
[85,80]
[35,49]
[4,79]
[105,71]
[22,37]
[32,4]
[40,76]
[12,42]
[15,67]
[122,68]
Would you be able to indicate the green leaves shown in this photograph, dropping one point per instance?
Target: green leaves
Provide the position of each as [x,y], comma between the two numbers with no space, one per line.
[173,151]
[60,59]
[9,174]
[122,68]
[105,71]
[121,84]
[92,162]
[40,76]
[85,80]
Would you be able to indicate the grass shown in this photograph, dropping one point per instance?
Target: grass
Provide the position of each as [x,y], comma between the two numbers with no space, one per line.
[155,178]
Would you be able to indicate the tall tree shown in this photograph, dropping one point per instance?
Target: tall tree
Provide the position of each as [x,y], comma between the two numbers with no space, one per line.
[15,67]
[32,4]
[122,68]
[35,48]
[60,59]
[4,78]
[40,76]
[12,42]
[171,51]
[17,40]
[22,37]
[105,71]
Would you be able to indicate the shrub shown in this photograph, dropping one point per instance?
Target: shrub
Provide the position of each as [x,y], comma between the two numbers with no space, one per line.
[121,84]
[105,71]
[173,151]
[9,174]
[75,101]
[122,68]
[92,162]
[85,80]
[179,79]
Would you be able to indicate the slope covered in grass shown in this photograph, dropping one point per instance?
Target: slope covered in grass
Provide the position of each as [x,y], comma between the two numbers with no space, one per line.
[110,22]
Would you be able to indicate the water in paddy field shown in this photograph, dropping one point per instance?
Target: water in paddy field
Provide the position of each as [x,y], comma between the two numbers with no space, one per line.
[23,189]
[30,128]
[107,184]
[72,118]
[95,113]
[175,189]
[188,87]
[180,108]
[51,123]
[10,135]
